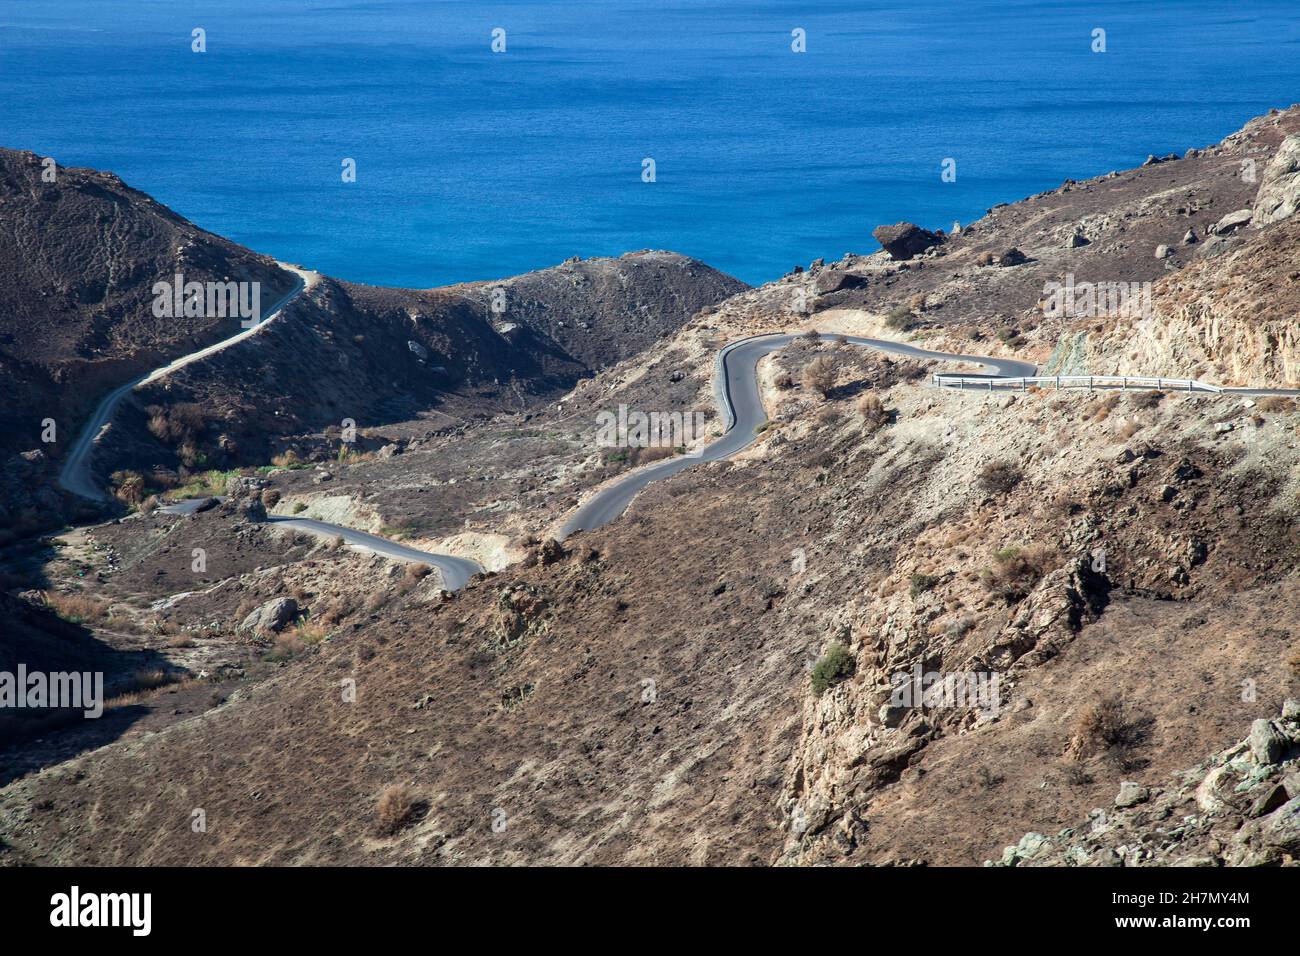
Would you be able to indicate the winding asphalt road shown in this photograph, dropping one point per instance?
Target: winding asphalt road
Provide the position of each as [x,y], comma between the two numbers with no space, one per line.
[737,393]
[75,475]
[455,571]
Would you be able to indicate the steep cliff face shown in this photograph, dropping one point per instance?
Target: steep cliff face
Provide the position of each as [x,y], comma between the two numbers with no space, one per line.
[1233,320]
[1231,316]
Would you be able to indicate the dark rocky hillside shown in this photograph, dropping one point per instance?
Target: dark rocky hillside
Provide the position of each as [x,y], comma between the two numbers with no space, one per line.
[79,257]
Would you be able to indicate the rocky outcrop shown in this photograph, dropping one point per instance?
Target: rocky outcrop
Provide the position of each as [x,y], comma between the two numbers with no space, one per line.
[273,616]
[835,280]
[903,240]
[1239,808]
[1215,319]
[1279,188]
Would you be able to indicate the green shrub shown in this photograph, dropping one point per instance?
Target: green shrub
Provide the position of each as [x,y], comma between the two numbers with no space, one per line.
[299,507]
[835,665]
[899,318]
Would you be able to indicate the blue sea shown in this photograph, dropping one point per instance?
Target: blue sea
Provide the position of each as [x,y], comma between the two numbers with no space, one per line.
[473,164]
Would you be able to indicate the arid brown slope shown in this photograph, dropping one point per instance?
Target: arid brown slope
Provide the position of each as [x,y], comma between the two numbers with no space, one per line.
[78,261]
[382,356]
[646,699]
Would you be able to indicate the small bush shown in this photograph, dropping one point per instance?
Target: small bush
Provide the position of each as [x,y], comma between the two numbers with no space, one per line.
[179,423]
[899,318]
[417,572]
[128,486]
[1109,724]
[784,380]
[873,412]
[394,808]
[1014,571]
[835,665]
[287,646]
[1147,400]
[270,498]
[921,583]
[299,507]
[1293,662]
[999,477]
[819,375]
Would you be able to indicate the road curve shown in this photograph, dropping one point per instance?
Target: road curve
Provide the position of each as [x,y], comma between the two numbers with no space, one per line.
[75,475]
[736,391]
[737,394]
[456,572]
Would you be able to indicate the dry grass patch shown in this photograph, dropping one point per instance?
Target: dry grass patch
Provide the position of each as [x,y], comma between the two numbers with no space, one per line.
[1275,403]
[76,608]
[874,414]
[1014,571]
[394,809]
[1000,477]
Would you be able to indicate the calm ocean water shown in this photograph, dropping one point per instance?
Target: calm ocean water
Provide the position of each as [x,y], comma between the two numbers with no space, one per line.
[473,165]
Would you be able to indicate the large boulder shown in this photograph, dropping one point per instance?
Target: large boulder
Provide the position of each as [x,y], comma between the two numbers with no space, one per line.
[1268,742]
[903,240]
[833,280]
[1283,828]
[1232,222]
[272,616]
[1279,190]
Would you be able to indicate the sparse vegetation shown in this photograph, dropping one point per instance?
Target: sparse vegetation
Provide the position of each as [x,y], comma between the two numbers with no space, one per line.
[394,809]
[1014,571]
[299,507]
[1275,403]
[1109,725]
[76,608]
[873,412]
[177,423]
[204,485]
[921,583]
[819,375]
[287,645]
[999,477]
[835,665]
[899,318]
[128,487]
